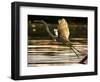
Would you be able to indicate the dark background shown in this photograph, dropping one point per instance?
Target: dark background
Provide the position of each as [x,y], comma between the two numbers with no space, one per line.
[54,19]
[77,26]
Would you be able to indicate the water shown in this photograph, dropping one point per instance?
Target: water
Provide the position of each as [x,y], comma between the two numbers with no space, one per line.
[51,53]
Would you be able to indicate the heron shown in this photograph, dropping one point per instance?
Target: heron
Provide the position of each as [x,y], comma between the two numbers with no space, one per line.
[63,34]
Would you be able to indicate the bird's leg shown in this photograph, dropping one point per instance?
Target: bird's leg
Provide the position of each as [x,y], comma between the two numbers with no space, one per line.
[73,46]
[76,49]
[68,43]
[74,52]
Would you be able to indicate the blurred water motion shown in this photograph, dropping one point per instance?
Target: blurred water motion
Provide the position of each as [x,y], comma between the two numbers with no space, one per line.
[51,53]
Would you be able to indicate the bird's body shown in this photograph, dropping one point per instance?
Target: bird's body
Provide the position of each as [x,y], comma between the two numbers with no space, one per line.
[63,34]
[63,30]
